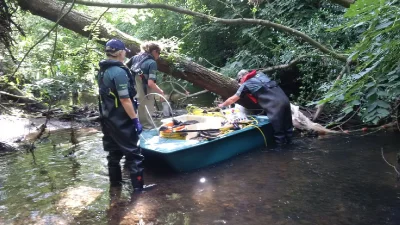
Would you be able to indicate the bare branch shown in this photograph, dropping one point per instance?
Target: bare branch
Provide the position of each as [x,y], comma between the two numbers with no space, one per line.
[91,31]
[44,36]
[241,21]
[14,96]
[55,43]
[11,55]
[5,108]
[355,113]
[394,167]
[283,66]
[172,85]
[194,94]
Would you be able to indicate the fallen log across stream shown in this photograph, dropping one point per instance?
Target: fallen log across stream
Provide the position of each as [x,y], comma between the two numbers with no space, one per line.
[175,65]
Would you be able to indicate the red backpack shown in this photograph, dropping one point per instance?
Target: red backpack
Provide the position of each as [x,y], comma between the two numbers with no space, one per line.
[244,79]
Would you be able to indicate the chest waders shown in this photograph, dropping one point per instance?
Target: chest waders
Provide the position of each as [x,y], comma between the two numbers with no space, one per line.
[277,107]
[120,137]
[137,71]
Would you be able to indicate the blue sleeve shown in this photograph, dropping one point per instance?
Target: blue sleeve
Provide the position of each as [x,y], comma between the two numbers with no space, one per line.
[152,71]
[121,83]
[242,90]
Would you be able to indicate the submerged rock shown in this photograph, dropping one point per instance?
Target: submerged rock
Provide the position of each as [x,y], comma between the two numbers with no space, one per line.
[76,199]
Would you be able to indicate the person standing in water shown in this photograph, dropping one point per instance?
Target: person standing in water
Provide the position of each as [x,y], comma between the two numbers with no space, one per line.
[120,126]
[144,68]
[272,100]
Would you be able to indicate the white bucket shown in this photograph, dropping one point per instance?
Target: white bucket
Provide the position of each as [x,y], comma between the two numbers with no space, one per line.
[166,110]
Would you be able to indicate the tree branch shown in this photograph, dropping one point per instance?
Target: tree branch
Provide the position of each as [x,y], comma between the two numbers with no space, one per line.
[55,44]
[44,36]
[193,95]
[5,108]
[242,21]
[280,67]
[14,96]
[172,85]
[11,55]
[341,124]
[91,31]
[394,167]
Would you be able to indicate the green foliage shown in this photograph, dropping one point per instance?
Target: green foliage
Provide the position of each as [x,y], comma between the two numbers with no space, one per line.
[375,82]
[368,32]
[231,48]
[49,90]
[54,70]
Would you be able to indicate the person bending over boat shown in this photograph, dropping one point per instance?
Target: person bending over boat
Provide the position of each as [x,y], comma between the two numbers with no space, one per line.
[120,125]
[266,92]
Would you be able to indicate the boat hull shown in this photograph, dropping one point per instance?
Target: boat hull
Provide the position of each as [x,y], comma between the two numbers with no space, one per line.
[185,155]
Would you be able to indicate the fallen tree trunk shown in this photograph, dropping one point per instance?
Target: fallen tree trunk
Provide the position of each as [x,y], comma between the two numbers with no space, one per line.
[300,121]
[12,92]
[189,71]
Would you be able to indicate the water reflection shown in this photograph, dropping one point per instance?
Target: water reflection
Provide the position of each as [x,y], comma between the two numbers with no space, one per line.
[331,180]
[114,213]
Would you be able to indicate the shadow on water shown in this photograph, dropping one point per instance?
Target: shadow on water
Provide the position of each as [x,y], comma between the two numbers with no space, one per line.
[329,180]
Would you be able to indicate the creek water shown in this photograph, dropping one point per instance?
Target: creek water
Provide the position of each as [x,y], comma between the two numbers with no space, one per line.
[325,180]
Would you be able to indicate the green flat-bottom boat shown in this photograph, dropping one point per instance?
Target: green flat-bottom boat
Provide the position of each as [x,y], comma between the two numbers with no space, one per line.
[185,155]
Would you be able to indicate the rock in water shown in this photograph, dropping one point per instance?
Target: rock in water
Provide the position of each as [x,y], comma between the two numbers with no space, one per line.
[75,200]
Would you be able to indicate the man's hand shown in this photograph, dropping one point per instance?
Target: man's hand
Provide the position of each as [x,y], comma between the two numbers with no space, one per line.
[161,92]
[137,125]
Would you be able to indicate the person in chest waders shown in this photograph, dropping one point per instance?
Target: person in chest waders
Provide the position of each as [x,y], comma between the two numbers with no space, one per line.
[144,68]
[120,125]
[262,90]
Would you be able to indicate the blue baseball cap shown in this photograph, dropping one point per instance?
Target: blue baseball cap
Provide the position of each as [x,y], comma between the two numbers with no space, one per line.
[115,45]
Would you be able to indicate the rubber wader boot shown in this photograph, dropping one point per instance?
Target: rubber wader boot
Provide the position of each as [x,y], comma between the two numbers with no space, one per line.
[138,183]
[289,135]
[279,141]
[115,176]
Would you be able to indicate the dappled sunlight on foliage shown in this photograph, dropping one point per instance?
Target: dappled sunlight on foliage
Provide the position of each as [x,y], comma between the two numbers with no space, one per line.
[63,63]
[374,83]
[366,33]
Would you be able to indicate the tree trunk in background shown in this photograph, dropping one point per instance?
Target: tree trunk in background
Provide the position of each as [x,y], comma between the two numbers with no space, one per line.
[75,97]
